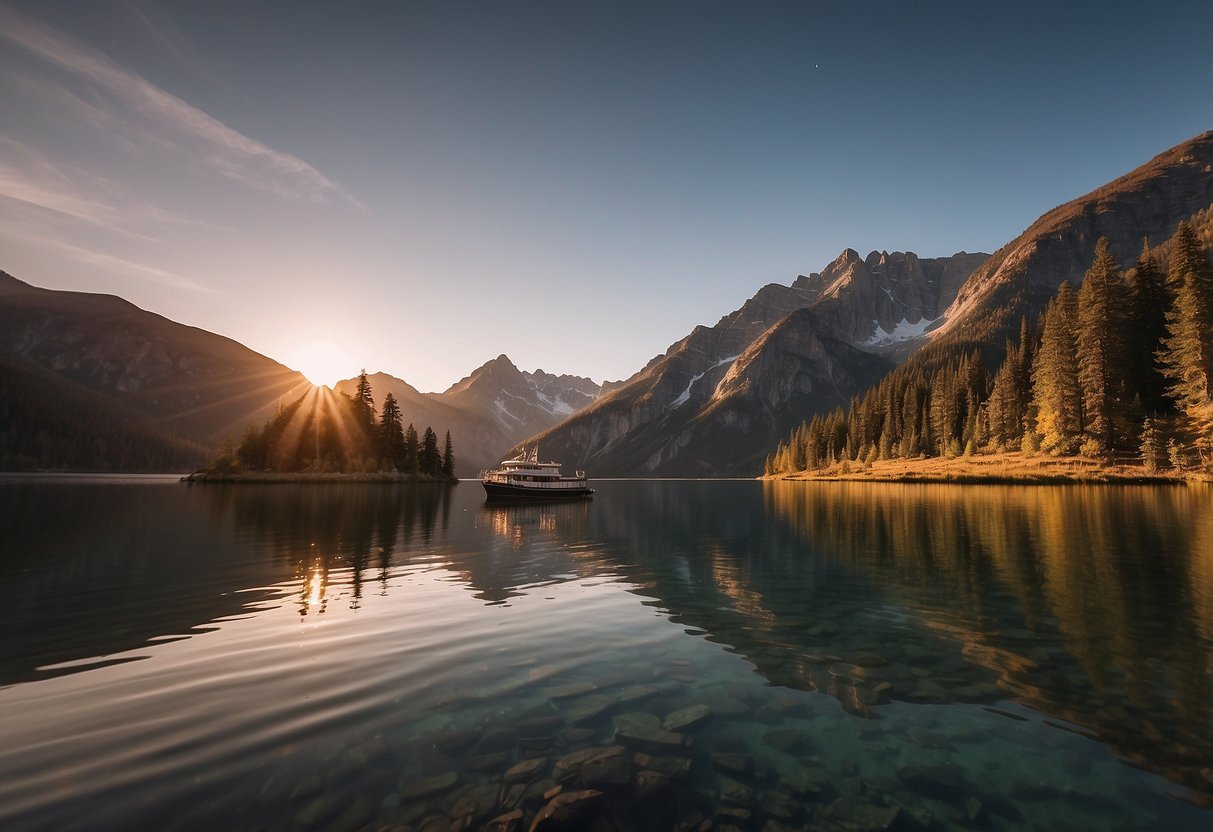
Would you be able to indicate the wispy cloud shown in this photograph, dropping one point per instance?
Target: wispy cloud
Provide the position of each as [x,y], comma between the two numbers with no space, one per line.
[35,232]
[128,96]
[29,176]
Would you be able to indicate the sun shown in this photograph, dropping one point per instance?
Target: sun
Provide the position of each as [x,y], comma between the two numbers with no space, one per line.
[323,362]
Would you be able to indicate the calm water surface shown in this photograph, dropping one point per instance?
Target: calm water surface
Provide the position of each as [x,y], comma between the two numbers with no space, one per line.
[826,656]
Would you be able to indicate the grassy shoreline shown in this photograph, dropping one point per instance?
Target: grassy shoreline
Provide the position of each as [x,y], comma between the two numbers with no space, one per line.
[284,477]
[996,469]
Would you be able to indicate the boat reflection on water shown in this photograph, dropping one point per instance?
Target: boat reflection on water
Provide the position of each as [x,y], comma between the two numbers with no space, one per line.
[517,522]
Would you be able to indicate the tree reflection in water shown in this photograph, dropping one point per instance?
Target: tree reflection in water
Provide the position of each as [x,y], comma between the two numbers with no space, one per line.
[1092,604]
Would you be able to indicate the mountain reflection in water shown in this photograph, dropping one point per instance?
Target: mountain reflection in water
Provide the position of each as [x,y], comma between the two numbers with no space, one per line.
[307,656]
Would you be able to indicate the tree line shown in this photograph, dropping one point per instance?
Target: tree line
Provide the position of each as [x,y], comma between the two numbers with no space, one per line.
[1122,366]
[326,432]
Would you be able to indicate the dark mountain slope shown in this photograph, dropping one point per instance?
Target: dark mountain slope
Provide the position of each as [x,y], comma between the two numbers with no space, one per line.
[186,381]
[51,423]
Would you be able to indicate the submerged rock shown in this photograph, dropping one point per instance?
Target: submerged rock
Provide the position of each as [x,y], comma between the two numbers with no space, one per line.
[486,762]
[474,806]
[588,708]
[568,767]
[525,770]
[735,763]
[936,781]
[731,791]
[651,784]
[607,772]
[509,822]
[437,784]
[567,809]
[643,730]
[687,718]
[456,742]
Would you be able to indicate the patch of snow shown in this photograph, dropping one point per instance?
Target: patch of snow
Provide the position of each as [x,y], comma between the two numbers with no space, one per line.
[556,405]
[904,331]
[560,406]
[685,395]
[501,408]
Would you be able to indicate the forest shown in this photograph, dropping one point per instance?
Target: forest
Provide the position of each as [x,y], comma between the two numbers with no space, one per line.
[324,432]
[1117,370]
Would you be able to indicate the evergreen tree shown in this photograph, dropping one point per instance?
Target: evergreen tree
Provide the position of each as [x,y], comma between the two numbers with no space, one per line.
[1101,359]
[1153,452]
[1146,331]
[448,457]
[412,450]
[429,459]
[391,433]
[364,400]
[1186,357]
[1056,396]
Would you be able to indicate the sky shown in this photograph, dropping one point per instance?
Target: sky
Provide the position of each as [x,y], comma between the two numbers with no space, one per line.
[417,187]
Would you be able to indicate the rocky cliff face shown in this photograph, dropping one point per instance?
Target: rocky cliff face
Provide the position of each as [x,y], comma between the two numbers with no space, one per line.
[1021,276]
[716,400]
[886,299]
[191,383]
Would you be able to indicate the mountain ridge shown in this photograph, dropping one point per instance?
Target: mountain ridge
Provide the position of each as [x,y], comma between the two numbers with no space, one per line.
[681,418]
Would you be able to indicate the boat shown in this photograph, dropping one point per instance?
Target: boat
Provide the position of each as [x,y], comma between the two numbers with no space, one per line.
[526,478]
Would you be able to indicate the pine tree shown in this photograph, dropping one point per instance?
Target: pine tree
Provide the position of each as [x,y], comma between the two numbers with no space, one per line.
[412,450]
[1146,331]
[1056,396]
[429,460]
[1153,452]
[1186,356]
[448,457]
[364,399]
[391,433]
[1101,360]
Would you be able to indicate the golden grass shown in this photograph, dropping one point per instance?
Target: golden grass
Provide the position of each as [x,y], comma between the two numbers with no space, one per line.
[1012,467]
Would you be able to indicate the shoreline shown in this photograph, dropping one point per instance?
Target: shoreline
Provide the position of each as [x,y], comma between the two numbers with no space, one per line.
[289,478]
[994,469]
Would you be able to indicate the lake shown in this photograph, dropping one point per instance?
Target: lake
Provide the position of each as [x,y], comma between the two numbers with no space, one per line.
[752,655]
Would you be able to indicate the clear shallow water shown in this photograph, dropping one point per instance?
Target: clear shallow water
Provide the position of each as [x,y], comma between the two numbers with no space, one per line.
[872,656]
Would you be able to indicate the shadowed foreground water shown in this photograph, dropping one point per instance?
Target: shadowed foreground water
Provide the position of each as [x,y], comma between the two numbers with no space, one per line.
[673,655]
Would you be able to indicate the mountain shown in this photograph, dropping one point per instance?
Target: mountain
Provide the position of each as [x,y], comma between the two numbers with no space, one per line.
[489,411]
[792,351]
[521,403]
[885,302]
[49,422]
[1019,278]
[164,381]
[712,404]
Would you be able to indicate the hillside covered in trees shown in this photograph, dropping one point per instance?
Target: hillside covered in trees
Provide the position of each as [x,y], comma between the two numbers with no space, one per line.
[324,432]
[1120,369]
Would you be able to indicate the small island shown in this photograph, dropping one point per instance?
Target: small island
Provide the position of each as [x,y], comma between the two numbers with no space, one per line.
[328,437]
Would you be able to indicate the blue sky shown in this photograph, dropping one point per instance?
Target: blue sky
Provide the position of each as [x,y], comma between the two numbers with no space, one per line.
[427,185]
